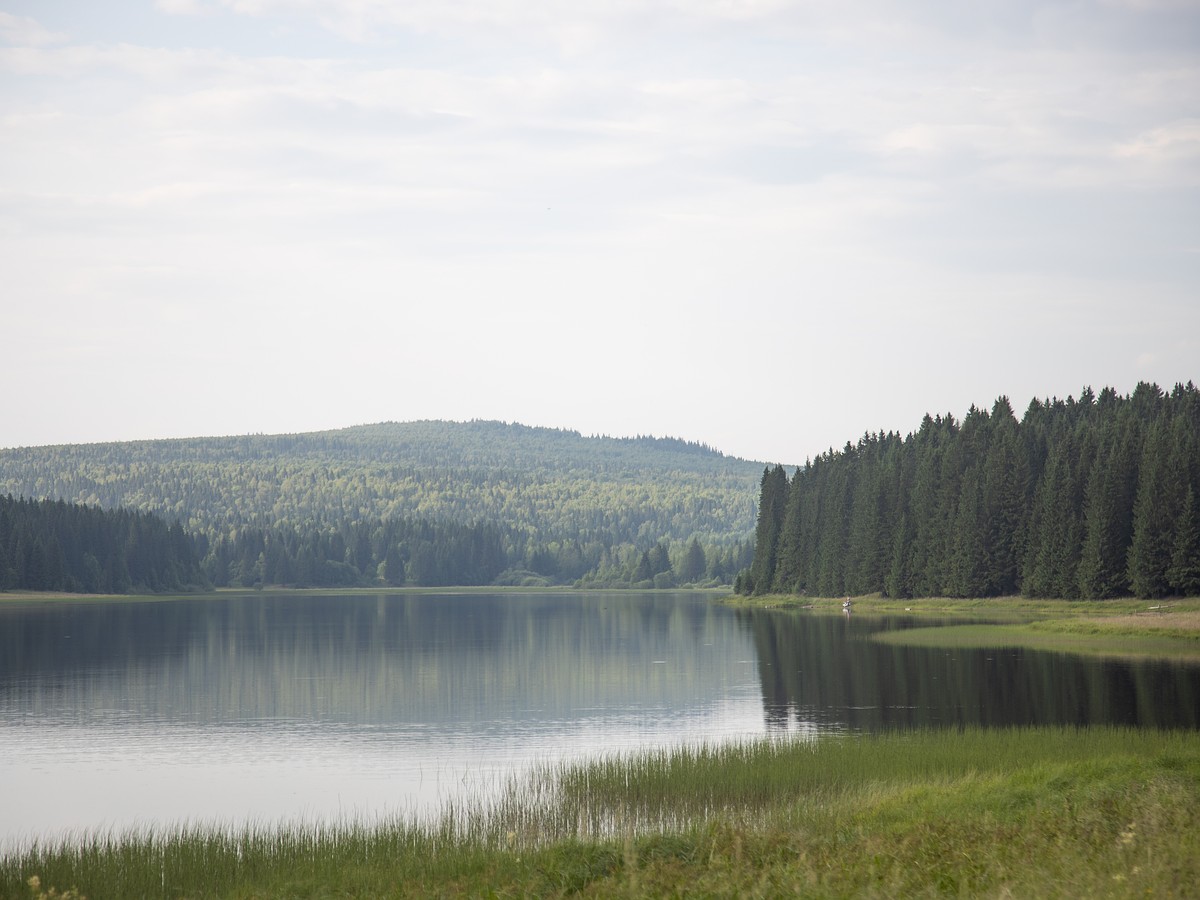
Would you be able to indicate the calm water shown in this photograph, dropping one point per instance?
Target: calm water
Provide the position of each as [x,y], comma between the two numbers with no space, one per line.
[276,707]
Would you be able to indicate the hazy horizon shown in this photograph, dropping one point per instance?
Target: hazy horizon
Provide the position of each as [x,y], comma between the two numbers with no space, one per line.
[1018,410]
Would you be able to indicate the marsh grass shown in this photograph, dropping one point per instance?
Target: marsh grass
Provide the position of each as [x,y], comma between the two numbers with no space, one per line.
[1083,638]
[1125,628]
[1039,812]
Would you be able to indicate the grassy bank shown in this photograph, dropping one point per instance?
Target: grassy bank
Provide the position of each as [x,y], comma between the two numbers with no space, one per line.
[1044,812]
[1125,628]
[1093,641]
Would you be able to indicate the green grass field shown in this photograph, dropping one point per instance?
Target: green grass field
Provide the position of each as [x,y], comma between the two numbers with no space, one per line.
[1048,812]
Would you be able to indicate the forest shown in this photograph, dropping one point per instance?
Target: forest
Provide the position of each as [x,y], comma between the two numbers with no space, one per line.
[422,503]
[424,553]
[1085,498]
[56,546]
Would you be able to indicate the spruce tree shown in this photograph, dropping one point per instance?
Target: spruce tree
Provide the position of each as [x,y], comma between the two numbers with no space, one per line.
[1005,489]
[694,564]
[6,572]
[1154,515]
[832,527]
[1053,555]
[967,565]
[1108,516]
[789,575]
[925,521]
[771,505]
[1183,575]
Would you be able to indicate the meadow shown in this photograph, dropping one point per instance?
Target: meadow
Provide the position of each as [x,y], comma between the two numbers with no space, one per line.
[1046,812]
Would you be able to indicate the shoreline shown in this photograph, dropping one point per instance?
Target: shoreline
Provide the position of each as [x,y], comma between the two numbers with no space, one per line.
[59,596]
[1123,628]
[1104,812]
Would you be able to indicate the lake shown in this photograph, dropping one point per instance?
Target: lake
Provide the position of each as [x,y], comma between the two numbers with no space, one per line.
[268,707]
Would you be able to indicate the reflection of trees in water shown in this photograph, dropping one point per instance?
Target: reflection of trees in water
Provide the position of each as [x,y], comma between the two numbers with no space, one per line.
[823,669]
[369,659]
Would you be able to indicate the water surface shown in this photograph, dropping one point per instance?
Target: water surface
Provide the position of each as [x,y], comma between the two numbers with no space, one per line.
[286,706]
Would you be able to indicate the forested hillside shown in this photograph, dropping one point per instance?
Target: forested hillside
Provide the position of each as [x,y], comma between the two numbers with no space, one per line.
[337,507]
[425,553]
[56,546]
[1088,498]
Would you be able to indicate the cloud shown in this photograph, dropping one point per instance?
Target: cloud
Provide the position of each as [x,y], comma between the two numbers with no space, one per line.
[607,181]
[1154,5]
[1175,145]
[184,7]
[22,31]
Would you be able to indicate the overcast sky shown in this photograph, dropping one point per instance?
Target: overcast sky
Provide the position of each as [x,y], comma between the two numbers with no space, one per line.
[765,225]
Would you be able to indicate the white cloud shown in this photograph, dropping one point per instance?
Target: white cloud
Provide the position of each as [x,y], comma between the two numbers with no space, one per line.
[22,31]
[184,7]
[669,193]
[1171,144]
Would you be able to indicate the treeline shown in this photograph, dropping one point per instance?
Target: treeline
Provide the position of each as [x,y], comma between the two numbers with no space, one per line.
[425,553]
[552,484]
[1088,498]
[55,546]
[423,503]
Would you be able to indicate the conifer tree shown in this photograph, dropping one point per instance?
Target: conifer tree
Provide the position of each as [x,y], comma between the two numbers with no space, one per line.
[1184,572]
[833,526]
[899,580]
[771,505]
[967,563]
[1154,515]
[694,564]
[1005,477]
[789,576]
[867,535]
[1108,516]
[925,520]
[1081,497]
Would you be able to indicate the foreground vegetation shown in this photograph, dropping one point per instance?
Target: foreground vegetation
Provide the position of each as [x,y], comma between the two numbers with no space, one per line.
[1041,812]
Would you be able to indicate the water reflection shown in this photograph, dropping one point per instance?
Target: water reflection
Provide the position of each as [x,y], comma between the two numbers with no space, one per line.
[420,659]
[284,706]
[822,669]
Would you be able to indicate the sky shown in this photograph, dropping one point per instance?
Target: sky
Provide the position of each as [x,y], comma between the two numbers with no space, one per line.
[768,226]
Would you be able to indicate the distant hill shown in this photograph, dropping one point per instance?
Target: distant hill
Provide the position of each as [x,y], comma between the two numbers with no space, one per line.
[549,484]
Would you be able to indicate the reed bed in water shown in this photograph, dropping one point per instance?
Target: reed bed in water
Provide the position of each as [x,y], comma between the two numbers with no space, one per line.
[1037,812]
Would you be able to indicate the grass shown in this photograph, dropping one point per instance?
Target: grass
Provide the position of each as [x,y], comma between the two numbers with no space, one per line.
[1098,642]
[1120,629]
[1032,812]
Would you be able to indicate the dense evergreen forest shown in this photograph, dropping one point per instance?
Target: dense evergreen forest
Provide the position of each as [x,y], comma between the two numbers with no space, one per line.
[424,503]
[1088,498]
[421,552]
[55,546]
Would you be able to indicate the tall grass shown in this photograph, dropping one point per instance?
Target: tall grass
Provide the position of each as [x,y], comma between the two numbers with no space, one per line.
[1039,812]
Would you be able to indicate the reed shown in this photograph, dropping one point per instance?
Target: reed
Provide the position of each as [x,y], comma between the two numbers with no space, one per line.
[1045,812]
